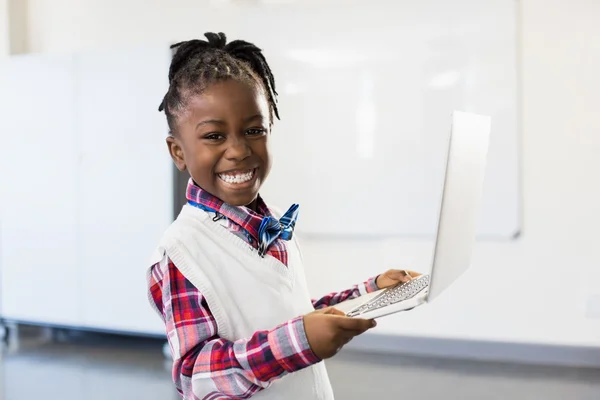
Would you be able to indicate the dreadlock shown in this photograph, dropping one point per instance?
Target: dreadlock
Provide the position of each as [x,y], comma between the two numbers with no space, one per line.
[198,63]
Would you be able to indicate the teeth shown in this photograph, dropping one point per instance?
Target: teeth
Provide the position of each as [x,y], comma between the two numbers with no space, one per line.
[237,178]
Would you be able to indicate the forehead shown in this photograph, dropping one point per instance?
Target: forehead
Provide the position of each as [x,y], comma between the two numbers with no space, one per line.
[228,99]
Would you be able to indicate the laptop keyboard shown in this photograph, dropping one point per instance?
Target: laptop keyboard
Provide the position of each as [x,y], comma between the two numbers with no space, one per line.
[393,295]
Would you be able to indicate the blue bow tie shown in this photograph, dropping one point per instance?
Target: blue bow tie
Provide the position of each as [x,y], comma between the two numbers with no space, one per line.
[272,228]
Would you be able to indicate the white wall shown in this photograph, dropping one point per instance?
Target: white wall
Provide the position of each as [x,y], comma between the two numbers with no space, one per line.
[18,12]
[4,37]
[532,290]
[13,27]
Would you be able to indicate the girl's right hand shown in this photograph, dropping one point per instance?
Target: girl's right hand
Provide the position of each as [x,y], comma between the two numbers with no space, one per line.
[328,330]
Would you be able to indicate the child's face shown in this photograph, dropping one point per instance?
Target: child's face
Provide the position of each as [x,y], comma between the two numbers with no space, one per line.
[222,140]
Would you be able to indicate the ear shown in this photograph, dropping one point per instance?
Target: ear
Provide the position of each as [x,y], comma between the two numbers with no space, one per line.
[176,152]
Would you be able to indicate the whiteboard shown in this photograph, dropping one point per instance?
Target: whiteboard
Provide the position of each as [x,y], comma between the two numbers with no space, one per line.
[366,92]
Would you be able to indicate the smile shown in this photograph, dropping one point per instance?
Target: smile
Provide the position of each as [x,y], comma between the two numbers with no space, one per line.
[237,177]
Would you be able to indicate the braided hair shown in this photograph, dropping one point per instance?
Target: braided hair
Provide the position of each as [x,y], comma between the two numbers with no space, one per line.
[198,63]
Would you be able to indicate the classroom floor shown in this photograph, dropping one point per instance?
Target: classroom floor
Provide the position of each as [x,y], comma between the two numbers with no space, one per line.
[95,367]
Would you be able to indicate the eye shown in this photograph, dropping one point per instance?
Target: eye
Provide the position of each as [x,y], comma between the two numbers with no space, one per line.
[256,132]
[214,136]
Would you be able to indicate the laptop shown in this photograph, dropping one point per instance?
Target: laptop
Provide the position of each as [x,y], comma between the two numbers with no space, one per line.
[460,207]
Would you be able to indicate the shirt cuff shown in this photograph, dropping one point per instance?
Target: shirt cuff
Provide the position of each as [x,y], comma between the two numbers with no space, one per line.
[290,347]
[369,286]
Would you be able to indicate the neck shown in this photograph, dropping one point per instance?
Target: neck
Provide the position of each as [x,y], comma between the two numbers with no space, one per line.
[253,205]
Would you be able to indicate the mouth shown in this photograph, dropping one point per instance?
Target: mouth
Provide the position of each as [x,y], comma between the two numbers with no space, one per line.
[239,179]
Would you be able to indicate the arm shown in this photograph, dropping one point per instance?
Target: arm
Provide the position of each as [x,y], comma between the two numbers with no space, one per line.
[203,363]
[334,298]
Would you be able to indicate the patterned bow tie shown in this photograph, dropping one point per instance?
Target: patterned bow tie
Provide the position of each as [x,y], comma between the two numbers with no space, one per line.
[273,228]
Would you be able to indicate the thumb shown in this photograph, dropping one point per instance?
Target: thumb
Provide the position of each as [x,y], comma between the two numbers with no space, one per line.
[333,311]
[328,310]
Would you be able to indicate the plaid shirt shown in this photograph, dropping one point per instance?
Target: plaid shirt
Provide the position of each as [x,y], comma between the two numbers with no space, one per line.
[230,369]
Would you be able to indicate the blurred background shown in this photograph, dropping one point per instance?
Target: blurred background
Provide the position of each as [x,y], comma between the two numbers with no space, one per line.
[366,94]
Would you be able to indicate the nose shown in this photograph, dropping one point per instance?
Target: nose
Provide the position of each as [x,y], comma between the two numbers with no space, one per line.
[238,149]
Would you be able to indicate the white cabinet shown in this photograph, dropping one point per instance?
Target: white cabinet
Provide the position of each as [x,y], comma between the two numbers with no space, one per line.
[87,187]
[126,186]
[40,246]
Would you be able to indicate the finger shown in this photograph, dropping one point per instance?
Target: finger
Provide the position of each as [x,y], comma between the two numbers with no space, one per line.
[357,332]
[355,324]
[346,338]
[343,339]
[401,275]
[407,275]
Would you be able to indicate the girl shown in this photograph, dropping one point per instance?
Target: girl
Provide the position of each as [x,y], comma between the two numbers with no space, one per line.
[227,278]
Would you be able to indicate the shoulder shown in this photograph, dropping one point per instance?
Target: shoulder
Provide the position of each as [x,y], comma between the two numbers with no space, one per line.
[189,219]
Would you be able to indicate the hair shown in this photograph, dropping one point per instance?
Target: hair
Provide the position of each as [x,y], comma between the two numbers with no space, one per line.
[197,64]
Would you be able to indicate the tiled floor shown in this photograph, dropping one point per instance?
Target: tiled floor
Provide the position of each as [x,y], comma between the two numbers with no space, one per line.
[95,367]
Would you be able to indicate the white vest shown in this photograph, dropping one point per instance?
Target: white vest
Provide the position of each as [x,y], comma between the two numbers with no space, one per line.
[245,292]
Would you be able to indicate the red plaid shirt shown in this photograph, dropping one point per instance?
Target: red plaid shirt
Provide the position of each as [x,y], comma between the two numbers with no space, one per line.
[229,369]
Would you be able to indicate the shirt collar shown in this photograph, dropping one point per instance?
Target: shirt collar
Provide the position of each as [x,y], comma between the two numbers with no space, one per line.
[241,215]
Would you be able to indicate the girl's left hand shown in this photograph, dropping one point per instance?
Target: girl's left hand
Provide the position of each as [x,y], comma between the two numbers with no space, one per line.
[394,276]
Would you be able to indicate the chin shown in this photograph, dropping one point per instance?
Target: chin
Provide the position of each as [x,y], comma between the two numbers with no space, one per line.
[238,198]
[246,201]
